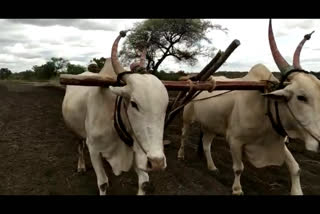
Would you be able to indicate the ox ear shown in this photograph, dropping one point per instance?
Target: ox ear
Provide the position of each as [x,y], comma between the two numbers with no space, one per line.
[122,91]
[282,95]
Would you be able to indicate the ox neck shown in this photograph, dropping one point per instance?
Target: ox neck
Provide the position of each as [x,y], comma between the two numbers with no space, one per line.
[122,124]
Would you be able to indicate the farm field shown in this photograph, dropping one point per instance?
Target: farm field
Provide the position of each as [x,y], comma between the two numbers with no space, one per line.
[38,156]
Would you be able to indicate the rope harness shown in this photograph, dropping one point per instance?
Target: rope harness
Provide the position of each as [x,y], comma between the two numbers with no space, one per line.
[118,121]
[277,125]
[119,125]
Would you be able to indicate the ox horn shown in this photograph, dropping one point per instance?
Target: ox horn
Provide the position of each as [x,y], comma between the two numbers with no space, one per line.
[279,60]
[117,67]
[135,65]
[296,57]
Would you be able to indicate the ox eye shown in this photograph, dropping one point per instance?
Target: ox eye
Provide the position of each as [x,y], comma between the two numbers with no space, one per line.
[134,105]
[302,98]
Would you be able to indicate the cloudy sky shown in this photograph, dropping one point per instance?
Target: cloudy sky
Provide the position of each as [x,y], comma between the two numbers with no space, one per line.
[28,42]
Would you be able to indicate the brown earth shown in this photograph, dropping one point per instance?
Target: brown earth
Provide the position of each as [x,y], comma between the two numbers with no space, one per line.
[38,156]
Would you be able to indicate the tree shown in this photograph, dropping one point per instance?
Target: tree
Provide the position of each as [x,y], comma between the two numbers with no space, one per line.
[94,68]
[75,69]
[26,75]
[179,38]
[5,73]
[96,64]
[45,71]
[60,64]
[99,62]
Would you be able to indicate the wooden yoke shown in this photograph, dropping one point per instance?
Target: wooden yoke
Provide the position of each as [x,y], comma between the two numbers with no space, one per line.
[185,86]
[86,80]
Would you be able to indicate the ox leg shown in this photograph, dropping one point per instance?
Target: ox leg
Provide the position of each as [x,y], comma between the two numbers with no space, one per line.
[207,141]
[294,170]
[236,153]
[143,179]
[102,179]
[185,129]
[81,161]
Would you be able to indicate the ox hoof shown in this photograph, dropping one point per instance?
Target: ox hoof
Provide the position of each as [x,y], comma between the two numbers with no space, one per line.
[297,192]
[214,172]
[237,193]
[166,142]
[148,188]
[81,170]
[180,155]
[103,189]
[181,158]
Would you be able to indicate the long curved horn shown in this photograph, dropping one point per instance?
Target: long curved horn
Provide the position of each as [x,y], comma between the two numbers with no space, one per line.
[296,56]
[279,60]
[117,67]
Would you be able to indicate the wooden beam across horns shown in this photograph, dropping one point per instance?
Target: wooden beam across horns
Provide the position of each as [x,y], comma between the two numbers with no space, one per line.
[88,80]
[81,80]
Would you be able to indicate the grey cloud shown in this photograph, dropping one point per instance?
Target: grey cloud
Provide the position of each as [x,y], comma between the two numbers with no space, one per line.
[239,65]
[27,55]
[303,24]
[51,42]
[85,57]
[47,54]
[32,45]
[81,45]
[31,52]
[71,38]
[5,62]
[81,58]
[77,41]
[314,60]
[280,33]
[81,24]
[12,38]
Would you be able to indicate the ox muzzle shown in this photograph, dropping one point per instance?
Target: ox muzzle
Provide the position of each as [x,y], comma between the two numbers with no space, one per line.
[156,163]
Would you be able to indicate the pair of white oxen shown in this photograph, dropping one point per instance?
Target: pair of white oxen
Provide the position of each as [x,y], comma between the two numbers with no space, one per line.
[240,116]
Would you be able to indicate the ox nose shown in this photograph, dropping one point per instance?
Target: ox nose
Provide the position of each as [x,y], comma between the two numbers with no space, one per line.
[156,163]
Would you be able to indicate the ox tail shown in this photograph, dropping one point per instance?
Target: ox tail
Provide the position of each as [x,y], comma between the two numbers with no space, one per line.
[200,145]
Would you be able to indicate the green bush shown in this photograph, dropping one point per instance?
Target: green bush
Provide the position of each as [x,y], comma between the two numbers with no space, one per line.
[5,73]
[162,75]
[75,69]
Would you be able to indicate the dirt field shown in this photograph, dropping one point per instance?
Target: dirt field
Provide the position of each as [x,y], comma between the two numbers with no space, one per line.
[38,156]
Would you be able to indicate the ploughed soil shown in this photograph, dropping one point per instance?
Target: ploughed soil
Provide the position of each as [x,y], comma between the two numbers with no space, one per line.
[38,156]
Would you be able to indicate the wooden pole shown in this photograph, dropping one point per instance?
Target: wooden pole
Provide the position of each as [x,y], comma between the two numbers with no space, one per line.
[67,79]
[88,80]
[212,67]
[219,85]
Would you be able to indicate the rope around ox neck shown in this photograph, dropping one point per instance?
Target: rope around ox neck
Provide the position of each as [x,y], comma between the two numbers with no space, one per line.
[308,131]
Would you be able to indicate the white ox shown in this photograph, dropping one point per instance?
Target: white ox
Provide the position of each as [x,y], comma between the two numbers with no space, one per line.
[240,116]
[89,112]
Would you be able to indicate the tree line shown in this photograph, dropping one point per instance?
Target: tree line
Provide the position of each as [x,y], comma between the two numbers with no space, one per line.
[181,39]
[51,69]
